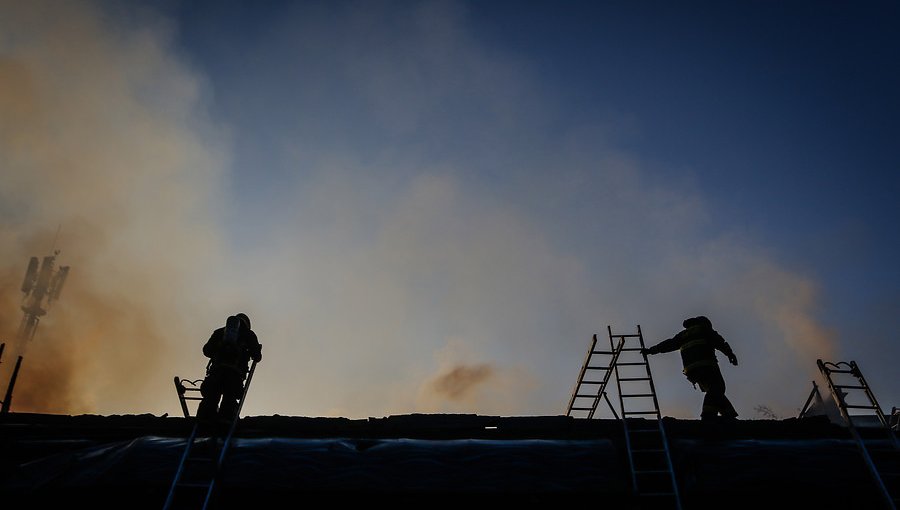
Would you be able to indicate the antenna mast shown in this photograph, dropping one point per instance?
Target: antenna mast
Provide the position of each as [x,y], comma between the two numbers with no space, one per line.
[42,285]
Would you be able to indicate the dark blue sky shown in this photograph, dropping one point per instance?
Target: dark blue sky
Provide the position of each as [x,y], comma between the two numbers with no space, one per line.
[785,114]
[775,104]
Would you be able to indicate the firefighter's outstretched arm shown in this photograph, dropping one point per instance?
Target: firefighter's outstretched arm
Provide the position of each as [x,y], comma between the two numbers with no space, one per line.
[668,345]
[726,350]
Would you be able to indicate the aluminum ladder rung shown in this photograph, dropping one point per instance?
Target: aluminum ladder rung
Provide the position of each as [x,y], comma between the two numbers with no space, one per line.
[848,406]
[849,386]
[641,412]
[634,379]
[597,368]
[631,364]
[643,395]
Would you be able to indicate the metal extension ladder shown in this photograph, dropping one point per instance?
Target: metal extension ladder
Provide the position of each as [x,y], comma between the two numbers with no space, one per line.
[652,474]
[583,388]
[649,458]
[203,457]
[876,440]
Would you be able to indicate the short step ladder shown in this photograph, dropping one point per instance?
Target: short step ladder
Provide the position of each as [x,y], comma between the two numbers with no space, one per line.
[652,474]
[867,424]
[592,381]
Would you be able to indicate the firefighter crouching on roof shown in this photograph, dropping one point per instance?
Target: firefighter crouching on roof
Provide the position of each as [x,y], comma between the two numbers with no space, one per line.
[226,371]
[698,342]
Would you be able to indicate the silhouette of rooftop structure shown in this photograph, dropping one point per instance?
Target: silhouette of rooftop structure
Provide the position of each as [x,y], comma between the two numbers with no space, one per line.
[128,461]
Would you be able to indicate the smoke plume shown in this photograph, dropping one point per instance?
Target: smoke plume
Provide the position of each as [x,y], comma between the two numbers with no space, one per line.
[107,159]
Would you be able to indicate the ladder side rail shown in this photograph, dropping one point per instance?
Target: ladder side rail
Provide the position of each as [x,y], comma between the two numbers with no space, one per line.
[870,395]
[649,375]
[616,368]
[180,471]
[606,376]
[227,441]
[665,441]
[626,433]
[873,469]
[612,409]
[180,389]
[584,366]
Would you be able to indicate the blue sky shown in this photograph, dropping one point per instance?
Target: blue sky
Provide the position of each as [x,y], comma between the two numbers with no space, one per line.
[397,192]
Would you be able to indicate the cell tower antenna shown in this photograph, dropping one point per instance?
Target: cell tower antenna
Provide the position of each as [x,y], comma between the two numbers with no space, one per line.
[41,286]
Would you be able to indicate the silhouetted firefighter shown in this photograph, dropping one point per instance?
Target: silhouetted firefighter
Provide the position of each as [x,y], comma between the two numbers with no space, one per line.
[698,342]
[230,350]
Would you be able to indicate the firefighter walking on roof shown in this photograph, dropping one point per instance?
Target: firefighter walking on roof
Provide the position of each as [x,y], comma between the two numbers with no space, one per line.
[697,343]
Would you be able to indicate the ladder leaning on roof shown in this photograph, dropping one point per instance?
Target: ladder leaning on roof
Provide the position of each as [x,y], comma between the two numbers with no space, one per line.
[878,445]
[652,475]
[202,460]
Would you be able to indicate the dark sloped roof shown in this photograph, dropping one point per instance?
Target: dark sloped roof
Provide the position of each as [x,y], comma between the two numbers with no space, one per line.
[104,461]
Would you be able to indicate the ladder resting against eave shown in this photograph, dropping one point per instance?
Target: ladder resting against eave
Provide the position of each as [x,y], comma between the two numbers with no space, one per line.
[649,457]
[876,440]
[652,474]
[202,460]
